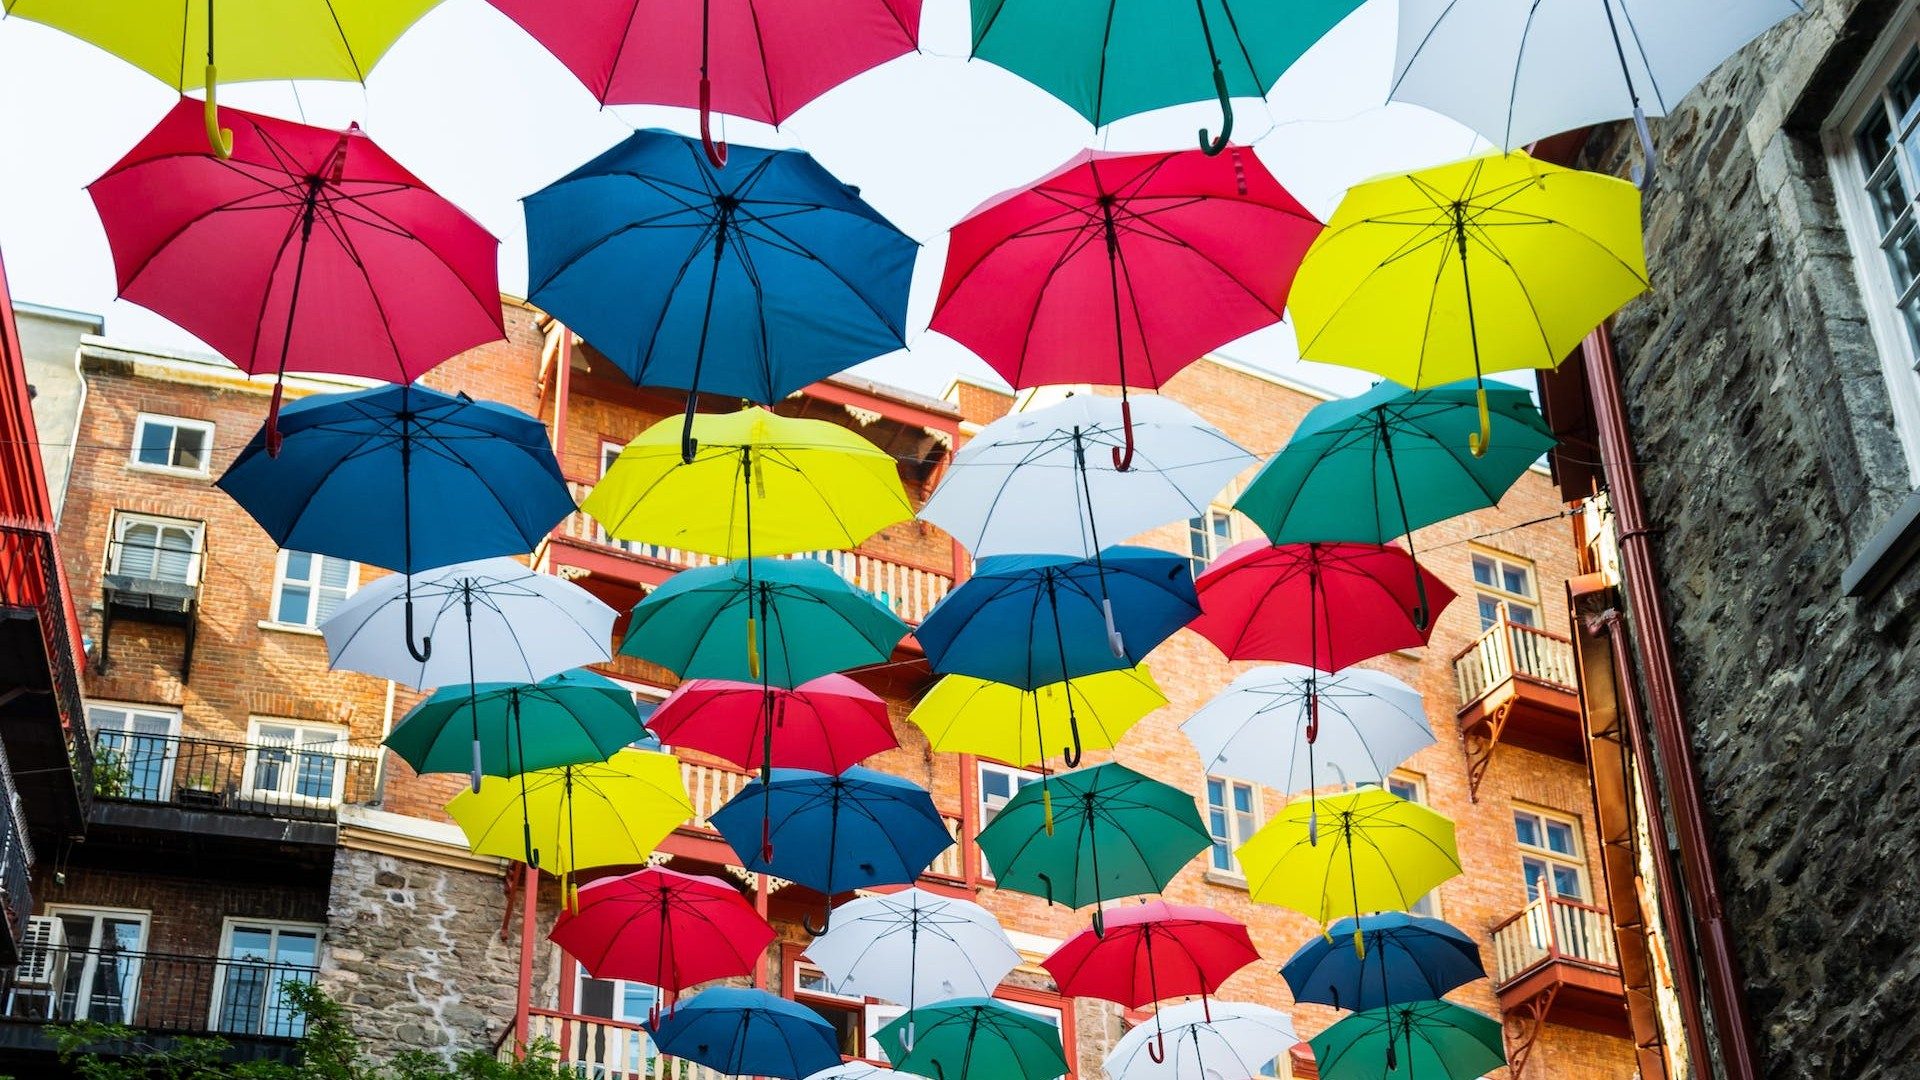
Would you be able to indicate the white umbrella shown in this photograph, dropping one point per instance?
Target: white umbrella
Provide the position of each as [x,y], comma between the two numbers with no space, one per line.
[1286,726]
[1227,1040]
[913,946]
[497,621]
[854,1070]
[1516,72]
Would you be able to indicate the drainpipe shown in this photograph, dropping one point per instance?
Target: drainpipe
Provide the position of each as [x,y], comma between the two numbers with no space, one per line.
[380,757]
[1652,633]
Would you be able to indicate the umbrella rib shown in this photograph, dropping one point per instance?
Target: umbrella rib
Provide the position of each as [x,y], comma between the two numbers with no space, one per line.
[834,271]
[359,73]
[352,251]
[1414,58]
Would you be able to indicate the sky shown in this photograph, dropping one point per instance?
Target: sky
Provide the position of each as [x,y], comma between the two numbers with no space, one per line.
[485,115]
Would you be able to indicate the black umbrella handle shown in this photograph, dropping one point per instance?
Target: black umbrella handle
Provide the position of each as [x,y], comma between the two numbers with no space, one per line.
[423,651]
[1213,146]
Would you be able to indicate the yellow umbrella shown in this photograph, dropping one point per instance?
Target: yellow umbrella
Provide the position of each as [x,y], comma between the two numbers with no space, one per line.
[758,484]
[964,715]
[261,39]
[1490,264]
[1382,853]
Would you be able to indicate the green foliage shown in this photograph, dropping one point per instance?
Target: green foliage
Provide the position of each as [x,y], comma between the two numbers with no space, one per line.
[112,776]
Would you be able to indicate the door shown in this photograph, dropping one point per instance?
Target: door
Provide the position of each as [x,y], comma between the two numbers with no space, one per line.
[134,750]
[257,961]
[105,951]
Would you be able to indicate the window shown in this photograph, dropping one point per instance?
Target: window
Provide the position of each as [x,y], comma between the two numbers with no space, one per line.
[1207,536]
[618,1000]
[1414,790]
[294,763]
[998,785]
[134,747]
[307,587]
[1550,856]
[1503,579]
[155,548]
[105,948]
[257,961]
[847,1015]
[1231,818]
[171,444]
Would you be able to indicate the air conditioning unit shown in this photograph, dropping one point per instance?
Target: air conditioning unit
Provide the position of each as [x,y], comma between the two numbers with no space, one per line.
[43,954]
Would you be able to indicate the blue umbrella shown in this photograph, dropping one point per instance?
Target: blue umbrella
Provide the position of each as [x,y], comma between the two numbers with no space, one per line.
[747,1033]
[771,266]
[1034,620]
[405,478]
[1408,959]
[834,833]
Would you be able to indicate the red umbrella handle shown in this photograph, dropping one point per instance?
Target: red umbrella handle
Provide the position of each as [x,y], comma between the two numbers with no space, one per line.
[716,151]
[273,420]
[1157,1049]
[1123,455]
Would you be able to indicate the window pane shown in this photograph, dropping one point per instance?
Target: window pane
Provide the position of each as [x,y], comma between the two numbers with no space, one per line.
[1483,570]
[250,943]
[1905,85]
[190,448]
[1514,580]
[1489,612]
[1216,792]
[1520,614]
[1243,798]
[333,572]
[1566,883]
[1536,874]
[299,566]
[330,601]
[138,544]
[1405,789]
[1526,829]
[156,441]
[1560,837]
[294,606]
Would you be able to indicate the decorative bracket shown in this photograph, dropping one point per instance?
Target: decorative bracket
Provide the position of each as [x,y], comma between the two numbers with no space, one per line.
[1521,1027]
[1478,742]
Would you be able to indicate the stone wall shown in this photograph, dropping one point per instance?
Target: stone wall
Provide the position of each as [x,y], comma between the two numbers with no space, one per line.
[1757,404]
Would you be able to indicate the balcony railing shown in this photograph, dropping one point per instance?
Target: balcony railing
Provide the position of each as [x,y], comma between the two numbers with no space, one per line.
[158,992]
[266,778]
[30,579]
[600,1049]
[911,591]
[1509,649]
[16,869]
[1552,929]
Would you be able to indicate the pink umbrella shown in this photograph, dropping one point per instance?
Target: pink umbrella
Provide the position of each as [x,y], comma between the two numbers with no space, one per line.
[757,60]
[308,249]
[828,724]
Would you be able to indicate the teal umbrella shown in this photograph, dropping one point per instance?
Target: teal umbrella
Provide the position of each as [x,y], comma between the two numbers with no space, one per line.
[1432,1040]
[1094,835]
[1114,58]
[973,1037]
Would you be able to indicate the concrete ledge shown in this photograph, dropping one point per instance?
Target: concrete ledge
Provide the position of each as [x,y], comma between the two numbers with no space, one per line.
[439,843]
[1886,554]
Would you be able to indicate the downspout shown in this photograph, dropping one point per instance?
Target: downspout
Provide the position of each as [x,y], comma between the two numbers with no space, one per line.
[380,759]
[1653,634]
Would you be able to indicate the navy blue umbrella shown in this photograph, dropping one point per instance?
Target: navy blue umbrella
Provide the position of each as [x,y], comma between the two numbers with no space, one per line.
[1034,620]
[834,833]
[1408,959]
[770,267]
[747,1033]
[405,478]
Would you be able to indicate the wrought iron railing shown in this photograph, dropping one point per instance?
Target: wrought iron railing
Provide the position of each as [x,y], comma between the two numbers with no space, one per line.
[31,580]
[150,991]
[266,778]
[1508,650]
[16,865]
[1553,929]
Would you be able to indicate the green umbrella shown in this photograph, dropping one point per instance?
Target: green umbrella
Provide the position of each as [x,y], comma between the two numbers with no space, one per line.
[1115,833]
[1371,468]
[973,1036]
[1434,1040]
[1115,58]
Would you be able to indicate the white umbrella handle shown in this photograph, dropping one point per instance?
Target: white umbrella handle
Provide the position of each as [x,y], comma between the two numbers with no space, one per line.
[476,766]
[1643,174]
[1114,641]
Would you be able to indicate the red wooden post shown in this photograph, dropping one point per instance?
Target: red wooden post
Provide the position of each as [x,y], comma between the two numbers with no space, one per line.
[523,998]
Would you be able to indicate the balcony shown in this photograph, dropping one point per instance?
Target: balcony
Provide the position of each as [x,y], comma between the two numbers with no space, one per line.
[157,583]
[1518,687]
[911,591]
[42,722]
[1554,961]
[16,881]
[605,1049]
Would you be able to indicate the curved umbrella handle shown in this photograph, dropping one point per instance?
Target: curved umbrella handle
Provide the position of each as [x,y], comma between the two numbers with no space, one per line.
[753,650]
[1359,940]
[1123,455]
[653,1013]
[272,437]
[1047,884]
[716,151]
[476,782]
[766,840]
[1478,443]
[533,857]
[1212,146]
[1099,923]
[1643,174]
[219,138]
[1072,754]
[1115,640]
[806,922]
[1157,1049]
[1393,1059]
[424,650]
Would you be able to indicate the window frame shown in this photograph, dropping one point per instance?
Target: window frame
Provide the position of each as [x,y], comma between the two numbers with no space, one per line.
[1551,858]
[981,767]
[1229,516]
[170,741]
[90,952]
[1498,592]
[292,797]
[313,583]
[1233,842]
[117,539]
[178,423]
[225,960]
[1418,782]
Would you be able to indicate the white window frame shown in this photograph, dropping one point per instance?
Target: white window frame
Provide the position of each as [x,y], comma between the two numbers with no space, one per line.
[981,768]
[1232,537]
[1878,291]
[1234,840]
[1498,592]
[225,960]
[645,694]
[318,563]
[140,423]
[288,797]
[125,519]
[1576,861]
[610,453]
[170,740]
[81,975]
[1419,785]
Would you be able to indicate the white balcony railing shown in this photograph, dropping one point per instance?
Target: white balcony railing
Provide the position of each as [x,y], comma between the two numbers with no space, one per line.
[1508,649]
[1552,929]
[607,1049]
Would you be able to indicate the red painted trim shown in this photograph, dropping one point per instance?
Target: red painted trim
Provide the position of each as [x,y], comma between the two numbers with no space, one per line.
[898,411]
[529,925]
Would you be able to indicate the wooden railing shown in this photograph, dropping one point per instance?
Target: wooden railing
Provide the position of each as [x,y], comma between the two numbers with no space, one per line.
[1552,929]
[911,591]
[1508,649]
[598,1049]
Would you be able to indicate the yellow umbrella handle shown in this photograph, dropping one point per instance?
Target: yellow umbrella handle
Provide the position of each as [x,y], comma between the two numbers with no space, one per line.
[221,139]
[753,648]
[1478,443]
[1359,940]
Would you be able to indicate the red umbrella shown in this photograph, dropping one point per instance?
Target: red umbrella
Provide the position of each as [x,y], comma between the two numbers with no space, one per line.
[828,724]
[1150,953]
[1160,256]
[308,249]
[663,928]
[766,60]
[1323,605]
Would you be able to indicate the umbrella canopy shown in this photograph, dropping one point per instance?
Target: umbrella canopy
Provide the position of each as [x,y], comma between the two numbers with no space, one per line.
[854,1070]
[663,928]
[1408,959]
[403,477]
[747,1033]
[730,56]
[1064,456]
[759,484]
[965,715]
[1488,264]
[296,253]
[1359,601]
[913,946]
[834,834]
[773,268]
[1150,952]
[1096,272]
[1383,853]
[1203,1040]
[973,1036]
[1109,59]
[1115,833]
[1434,1039]
[1279,726]
[568,719]
[828,724]
[611,813]
[777,621]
